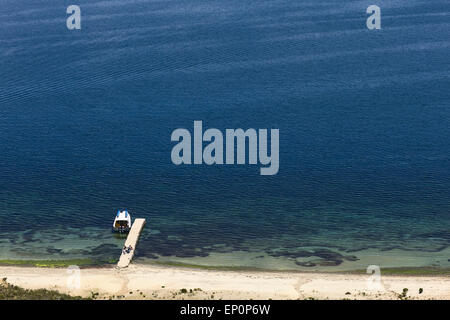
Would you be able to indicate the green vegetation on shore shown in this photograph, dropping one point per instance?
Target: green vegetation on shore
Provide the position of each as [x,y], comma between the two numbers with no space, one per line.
[12,292]
[411,271]
[85,263]
[82,263]
[414,271]
[203,267]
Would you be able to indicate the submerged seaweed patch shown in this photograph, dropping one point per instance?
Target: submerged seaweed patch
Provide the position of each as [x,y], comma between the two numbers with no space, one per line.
[105,249]
[326,257]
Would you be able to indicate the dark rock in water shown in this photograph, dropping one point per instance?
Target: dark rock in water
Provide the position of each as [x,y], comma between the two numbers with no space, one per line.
[77,252]
[302,254]
[328,254]
[289,254]
[443,234]
[165,254]
[28,236]
[240,248]
[203,254]
[351,258]
[106,249]
[184,246]
[305,264]
[53,250]
[327,257]
[191,254]
[325,263]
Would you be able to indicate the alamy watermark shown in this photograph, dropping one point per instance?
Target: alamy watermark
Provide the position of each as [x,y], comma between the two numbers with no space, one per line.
[235,147]
[74,278]
[374,283]
[73,22]
[374,20]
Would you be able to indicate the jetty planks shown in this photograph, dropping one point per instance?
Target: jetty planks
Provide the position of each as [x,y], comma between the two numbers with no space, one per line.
[132,239]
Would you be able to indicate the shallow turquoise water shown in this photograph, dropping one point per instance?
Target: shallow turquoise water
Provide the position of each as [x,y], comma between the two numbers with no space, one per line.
[86,118]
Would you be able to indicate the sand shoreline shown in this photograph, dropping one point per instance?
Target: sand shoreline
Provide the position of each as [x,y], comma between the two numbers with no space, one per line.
[140,281]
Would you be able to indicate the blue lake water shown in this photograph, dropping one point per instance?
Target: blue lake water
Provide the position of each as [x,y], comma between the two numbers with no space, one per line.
[86,118]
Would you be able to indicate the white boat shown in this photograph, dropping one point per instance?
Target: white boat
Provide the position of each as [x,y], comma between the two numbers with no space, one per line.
[122,221]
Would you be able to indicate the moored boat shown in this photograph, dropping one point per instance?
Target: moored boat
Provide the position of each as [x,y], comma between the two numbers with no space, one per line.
[122,222]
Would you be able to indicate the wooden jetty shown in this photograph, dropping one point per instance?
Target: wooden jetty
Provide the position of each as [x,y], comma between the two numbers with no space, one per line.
[132,239]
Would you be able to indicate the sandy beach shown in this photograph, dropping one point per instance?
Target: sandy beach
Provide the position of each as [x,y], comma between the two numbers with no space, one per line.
[162,282]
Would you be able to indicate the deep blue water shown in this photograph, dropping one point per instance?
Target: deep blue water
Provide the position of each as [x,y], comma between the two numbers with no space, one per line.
[86,118]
